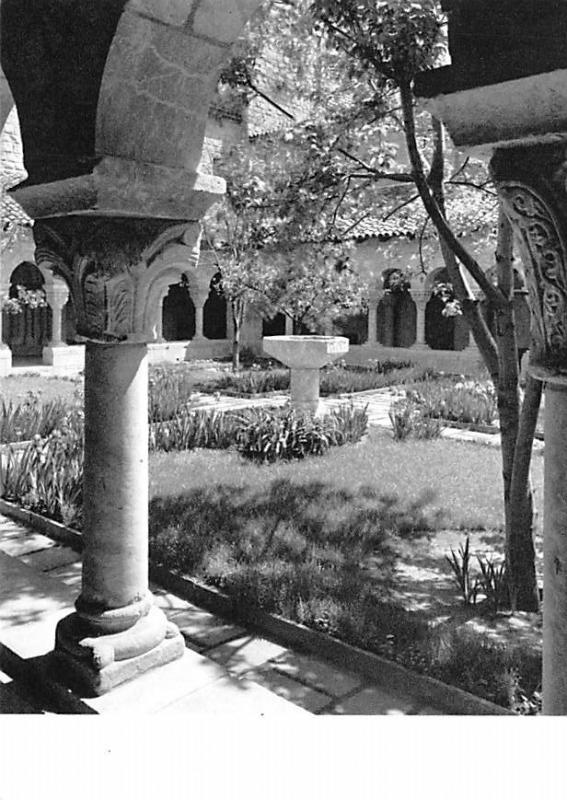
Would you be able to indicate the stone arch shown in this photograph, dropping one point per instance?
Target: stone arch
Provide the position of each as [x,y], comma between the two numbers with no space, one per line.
[95,120]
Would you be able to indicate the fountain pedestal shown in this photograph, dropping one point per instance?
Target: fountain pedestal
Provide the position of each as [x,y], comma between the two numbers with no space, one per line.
[305,355]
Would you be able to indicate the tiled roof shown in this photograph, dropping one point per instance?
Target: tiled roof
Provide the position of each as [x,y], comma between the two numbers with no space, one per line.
[11,213]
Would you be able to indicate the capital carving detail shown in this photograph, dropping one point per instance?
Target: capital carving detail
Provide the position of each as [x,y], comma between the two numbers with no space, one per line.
[110,266]
[545,260]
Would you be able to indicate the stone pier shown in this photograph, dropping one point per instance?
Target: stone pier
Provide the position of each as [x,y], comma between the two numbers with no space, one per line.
[112,137]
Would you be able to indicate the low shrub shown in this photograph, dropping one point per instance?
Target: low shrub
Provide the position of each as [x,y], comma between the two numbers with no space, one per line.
[254,381]
[286,434]
[472,402]
[191,429]
[509,677]
[408,418]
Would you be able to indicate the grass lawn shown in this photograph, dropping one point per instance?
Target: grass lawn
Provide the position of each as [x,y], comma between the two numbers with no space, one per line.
[16,387]
[352,543]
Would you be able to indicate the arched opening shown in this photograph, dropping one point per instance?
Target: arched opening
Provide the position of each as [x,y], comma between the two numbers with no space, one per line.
[444,332]
[439,329]
[69,322]
[353,326]
[178,313]
[301,329]
[29,331]
[274,326]
[214,311]
[396,315]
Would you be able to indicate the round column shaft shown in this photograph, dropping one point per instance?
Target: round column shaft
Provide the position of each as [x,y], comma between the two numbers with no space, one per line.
[555,553]
[372,323]
[420,305]
[115,561]
[56,324]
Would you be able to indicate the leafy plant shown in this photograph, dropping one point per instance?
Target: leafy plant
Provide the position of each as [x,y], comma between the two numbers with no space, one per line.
[460,564]
[47,477]
[494,582]
[402,415]
[191,429]
[269,436]
[23,421]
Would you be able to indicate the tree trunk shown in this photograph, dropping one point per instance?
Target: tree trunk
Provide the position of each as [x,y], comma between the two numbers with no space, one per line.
[520,554]
[500,358]
[518,509]
[237,315]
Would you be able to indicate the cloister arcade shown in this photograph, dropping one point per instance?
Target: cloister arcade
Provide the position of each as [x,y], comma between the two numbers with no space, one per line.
[113,139]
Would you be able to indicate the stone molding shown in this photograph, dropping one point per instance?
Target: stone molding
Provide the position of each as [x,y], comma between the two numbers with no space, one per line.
[116,269]
[527,110]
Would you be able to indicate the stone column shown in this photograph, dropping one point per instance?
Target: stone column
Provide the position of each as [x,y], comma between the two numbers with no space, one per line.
[199,300]
[420,299]
[288,322]
[5,352]
[532,185]
[372,335]
[116,632]
[55,352]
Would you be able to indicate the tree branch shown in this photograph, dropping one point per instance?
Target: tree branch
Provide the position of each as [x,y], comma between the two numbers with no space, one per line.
[432,207]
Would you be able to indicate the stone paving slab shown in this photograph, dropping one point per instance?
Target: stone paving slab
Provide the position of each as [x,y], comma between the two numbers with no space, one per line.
[205,629]
[316,673]
[246,653]
[231,695]
[373,700]
[160,687]
[293,691]
[50,558]
[24,543]
[30,606]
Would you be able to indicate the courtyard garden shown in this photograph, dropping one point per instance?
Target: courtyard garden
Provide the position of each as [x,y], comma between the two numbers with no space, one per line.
[392,543]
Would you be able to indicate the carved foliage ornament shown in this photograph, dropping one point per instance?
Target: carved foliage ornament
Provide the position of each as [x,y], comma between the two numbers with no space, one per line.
[104,262]
[545,261]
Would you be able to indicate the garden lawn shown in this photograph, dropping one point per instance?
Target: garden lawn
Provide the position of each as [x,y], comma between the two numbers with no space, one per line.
[17,387]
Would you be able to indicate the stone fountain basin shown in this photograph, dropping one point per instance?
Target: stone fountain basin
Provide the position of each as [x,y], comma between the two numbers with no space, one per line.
[305,352]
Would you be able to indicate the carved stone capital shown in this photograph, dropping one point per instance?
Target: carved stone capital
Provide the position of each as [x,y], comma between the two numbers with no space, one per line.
[111,266]
[532,184]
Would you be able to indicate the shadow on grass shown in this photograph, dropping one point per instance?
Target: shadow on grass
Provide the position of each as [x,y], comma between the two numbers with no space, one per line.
[310,552]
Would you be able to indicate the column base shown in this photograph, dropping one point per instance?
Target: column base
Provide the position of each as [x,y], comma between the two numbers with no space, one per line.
[5,359]
[64,355]
[96,664]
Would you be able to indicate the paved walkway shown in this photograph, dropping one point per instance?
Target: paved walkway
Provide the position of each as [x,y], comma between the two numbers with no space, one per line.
[225,669]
